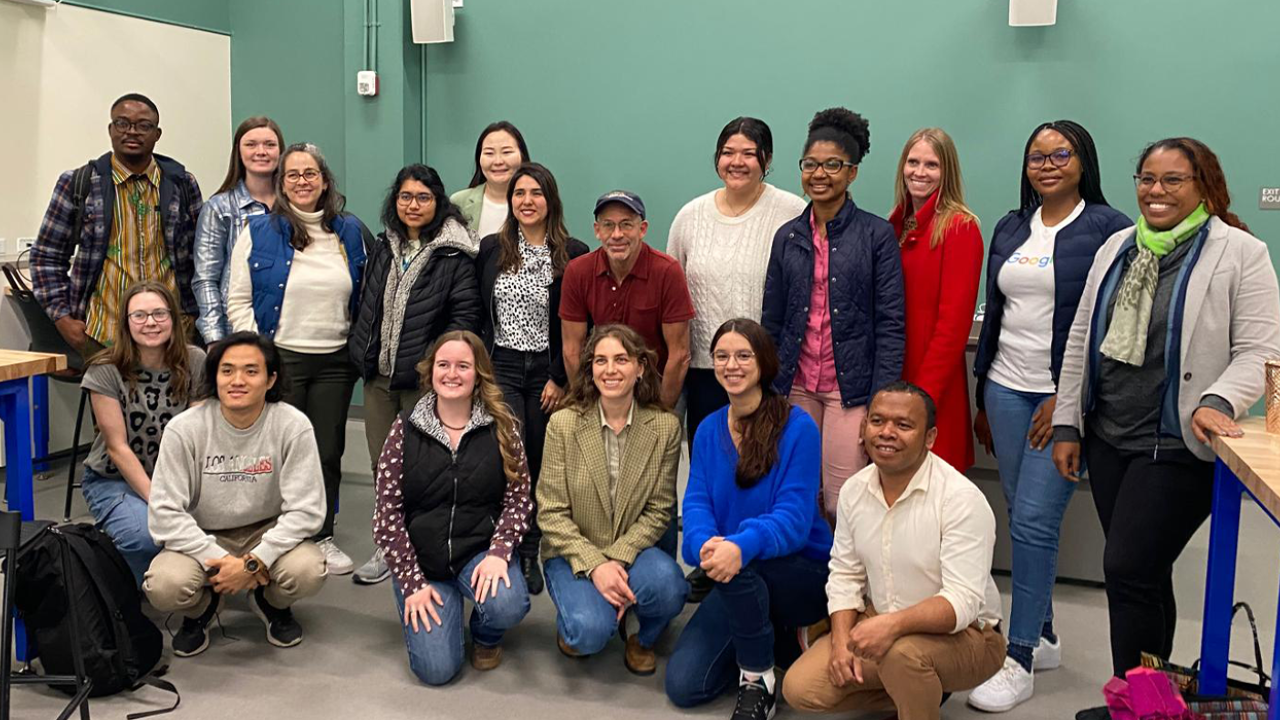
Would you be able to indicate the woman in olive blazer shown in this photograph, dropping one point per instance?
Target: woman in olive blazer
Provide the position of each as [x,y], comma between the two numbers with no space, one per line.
[605,498]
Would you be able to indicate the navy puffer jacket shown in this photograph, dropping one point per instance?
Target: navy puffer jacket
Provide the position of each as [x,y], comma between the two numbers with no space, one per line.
[866,301]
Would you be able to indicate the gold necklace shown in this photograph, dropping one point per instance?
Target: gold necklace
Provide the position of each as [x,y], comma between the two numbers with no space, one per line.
[738,213]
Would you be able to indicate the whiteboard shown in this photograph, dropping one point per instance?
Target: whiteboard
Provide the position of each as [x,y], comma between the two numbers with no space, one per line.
[60,69]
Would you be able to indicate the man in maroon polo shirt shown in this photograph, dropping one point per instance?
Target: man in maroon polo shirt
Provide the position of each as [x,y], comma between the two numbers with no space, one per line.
[626,281]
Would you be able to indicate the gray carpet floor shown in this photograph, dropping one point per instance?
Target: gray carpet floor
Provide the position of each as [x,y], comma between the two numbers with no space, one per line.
[352,663]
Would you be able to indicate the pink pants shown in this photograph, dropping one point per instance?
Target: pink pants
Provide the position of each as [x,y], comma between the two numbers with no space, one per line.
[841,429]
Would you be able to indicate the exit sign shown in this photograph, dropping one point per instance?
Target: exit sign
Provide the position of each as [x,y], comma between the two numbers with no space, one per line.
[1269,198]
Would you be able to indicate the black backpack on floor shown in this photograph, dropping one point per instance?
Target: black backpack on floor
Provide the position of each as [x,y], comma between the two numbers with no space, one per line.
[121,648]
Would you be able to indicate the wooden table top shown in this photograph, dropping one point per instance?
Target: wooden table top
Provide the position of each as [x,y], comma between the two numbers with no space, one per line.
[1255,459]
[16,364]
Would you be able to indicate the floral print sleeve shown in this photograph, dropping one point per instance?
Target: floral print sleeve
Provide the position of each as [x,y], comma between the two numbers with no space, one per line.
[389,530]
[517,509]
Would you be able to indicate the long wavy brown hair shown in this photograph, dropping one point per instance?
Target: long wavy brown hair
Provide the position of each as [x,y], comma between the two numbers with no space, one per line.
[486,391]
[124,355]
[557,234]
[759,431]
[950,207]
[331,204]
[1209,176]
[583,393]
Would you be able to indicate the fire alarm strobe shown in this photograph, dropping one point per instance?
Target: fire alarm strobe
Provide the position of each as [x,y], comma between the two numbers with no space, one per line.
[367,83]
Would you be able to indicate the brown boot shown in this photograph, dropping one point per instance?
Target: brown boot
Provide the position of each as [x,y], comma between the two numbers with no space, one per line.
[565,649]
[484,657]
[639,659]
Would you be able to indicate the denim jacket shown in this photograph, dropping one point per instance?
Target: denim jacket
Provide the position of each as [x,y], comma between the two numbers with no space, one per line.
[221,219]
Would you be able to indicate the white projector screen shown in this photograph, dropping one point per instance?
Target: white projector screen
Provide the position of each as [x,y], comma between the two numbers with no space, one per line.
[60,68]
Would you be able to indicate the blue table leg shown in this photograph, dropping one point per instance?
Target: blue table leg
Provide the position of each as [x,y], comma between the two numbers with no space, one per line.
[1273,709]
[15,406]
[40,419]
[1219,592]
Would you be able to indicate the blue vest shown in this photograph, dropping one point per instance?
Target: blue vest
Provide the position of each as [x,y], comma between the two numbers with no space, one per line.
[271,256]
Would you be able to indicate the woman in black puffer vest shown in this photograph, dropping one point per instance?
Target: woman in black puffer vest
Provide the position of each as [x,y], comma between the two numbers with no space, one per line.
[420,282]
[453,504]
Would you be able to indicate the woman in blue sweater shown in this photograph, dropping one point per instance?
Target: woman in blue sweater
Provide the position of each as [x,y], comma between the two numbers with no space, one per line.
[751,521]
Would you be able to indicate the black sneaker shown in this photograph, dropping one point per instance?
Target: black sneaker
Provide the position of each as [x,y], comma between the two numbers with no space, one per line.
[532,571]
[1094,713]
[699,585]
[282,629]
[755,702]
[193,636]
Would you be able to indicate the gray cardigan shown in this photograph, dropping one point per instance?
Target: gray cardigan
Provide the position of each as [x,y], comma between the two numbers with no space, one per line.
[1230,328]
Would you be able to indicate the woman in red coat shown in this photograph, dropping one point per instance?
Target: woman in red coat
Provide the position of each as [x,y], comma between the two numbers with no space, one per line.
[941,266]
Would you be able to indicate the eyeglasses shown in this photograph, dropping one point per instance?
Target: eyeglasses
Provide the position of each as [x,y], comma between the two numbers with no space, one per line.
[744,357]
[831,165]
[407,199]
[139,317]
[142,126]
[293,176]
[626,226]
[1170,183]
[1059,158]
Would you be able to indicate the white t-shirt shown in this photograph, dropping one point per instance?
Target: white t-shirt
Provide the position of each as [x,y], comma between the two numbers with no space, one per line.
[725,258]
[492,215]
[1026,331]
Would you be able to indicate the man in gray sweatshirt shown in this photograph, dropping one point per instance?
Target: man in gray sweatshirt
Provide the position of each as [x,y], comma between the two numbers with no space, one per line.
[236,492]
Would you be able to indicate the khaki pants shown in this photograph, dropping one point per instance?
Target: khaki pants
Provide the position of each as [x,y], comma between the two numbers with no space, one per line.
[177,583]
[381,406]
[911,678]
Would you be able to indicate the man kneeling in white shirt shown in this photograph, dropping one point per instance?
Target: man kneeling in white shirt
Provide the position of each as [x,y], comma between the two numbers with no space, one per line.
[914,611]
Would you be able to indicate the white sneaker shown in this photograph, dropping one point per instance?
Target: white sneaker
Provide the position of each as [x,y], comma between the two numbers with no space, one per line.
[1005,690]
[1047,656]
[374,571]
[339,562]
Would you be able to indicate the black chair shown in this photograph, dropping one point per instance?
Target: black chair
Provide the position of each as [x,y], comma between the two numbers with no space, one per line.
[11,537]
[46,338]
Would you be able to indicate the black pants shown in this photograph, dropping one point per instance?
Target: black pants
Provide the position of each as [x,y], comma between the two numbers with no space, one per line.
[703,396]
[522,376]
[321,386]
[1149,508]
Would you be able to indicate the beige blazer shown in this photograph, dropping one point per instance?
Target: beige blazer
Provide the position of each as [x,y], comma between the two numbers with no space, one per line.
[579,520]
[1230,328]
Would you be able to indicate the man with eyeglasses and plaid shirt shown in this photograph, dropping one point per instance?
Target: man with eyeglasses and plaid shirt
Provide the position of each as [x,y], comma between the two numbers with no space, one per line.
[136,212]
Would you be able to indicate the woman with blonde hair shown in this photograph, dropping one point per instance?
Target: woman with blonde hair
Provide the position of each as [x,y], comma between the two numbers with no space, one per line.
[605,498]
[136,386]
[452,506]
[941,267]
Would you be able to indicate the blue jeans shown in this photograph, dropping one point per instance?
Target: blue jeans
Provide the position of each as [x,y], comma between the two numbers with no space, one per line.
[436,656]
[587,621]
[733,627]
[1037,497]
[121,513]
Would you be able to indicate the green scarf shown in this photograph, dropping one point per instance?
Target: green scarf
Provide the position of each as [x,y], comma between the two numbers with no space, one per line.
[1126,339]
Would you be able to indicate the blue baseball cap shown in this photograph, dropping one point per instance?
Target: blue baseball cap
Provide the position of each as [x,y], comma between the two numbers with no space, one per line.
[629,199]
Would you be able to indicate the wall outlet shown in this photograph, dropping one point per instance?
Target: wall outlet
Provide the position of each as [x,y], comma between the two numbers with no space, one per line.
[367,83]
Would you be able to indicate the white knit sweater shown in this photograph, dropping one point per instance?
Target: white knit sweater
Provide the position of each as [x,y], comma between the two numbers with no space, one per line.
[725,258]
[314,316]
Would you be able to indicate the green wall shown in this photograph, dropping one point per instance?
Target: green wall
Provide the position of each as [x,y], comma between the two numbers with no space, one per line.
[611,93]
[200,14]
